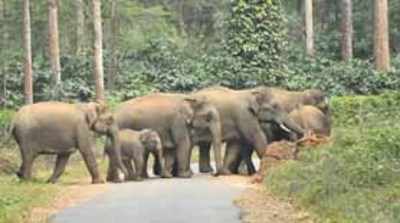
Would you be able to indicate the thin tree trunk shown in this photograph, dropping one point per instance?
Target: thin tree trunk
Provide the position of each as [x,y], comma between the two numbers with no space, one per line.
[80,26]
[347,30]
[181,21]
[309,27]
[323,14]
[381,36]
[28,86]
[54,48]
[3,46]
[114,34]
[98,50]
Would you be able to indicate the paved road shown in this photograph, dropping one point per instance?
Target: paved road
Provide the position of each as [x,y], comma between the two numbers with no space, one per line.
[196,200]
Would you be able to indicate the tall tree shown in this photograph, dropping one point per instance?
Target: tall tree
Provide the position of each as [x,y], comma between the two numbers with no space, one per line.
[381,35]
[98,50]
[54,48]
[3,45]
[309,27]
[28,86]
[113,44]
[80,25]
[347,30]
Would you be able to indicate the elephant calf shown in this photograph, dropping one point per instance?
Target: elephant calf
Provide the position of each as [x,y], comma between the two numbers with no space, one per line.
[136,146]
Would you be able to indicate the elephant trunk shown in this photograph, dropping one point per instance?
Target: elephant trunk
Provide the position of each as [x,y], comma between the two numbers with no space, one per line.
[115,152]
[289,125]
[217,146]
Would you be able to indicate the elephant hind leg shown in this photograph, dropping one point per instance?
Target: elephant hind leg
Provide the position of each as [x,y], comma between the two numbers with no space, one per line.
[61,162]
[28,157]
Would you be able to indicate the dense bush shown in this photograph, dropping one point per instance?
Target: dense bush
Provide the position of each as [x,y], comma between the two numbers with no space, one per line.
[356,177]
[164,66]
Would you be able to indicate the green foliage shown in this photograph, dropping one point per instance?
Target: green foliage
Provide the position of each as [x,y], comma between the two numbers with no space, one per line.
[355,178]
[256,38]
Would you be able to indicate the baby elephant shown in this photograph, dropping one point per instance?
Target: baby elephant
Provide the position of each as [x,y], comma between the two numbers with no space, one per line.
[136,146]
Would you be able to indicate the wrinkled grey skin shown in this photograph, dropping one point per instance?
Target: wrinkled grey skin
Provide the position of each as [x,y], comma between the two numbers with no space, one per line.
[241,129]
[61,129]
[205,132]
[308,117]
[169,115]
[288,101]
[136,147]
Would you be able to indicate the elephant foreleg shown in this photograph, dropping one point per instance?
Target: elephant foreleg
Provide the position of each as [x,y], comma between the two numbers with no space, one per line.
[204,158]
[129,168]
[159,156]
[139,161]
[112,172]
[85,148]
[145,168]
[232,157]
[61,162]
[246,155]
[156,166]
[169,157]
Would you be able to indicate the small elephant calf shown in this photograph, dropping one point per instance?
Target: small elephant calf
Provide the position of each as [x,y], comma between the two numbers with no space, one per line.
[136,146]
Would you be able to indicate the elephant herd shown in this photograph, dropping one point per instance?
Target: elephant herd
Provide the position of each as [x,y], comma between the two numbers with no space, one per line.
[169,126]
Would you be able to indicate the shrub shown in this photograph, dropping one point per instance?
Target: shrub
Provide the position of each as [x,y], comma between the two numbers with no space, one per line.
[355,178]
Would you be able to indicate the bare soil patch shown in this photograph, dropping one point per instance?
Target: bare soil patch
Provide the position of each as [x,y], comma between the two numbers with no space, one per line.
[260,206]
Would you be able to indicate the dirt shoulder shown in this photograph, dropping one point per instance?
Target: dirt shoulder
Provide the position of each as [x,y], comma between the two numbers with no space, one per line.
[258,205]
[68,196]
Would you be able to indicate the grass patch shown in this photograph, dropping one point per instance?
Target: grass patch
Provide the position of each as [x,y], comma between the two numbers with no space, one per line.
[18,198]
[354,179]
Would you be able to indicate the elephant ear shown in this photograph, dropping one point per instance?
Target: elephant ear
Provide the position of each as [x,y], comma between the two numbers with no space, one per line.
[145,135]
[261,96]
[92,112]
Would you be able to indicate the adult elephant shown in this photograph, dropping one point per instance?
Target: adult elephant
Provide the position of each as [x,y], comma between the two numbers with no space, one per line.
[171,115]
[290,100]
[241,129]
[308,117]
[61,129]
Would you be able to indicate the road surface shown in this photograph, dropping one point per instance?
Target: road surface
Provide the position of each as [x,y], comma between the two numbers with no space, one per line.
[201,199]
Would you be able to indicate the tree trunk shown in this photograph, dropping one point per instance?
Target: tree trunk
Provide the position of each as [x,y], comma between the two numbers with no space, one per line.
[80,26]
[3,46]
[323,14]
[113,42]
[181,21]
[309,27]
[381,36]
[98,50]
[28,88]
[347,30]
[54,48]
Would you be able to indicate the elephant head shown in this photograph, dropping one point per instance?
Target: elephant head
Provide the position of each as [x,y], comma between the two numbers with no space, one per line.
[102,121]
[150,139]
[206,120]
[273,113]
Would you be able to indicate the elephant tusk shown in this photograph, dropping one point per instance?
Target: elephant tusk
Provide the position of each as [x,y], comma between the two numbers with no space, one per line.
[286,129]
